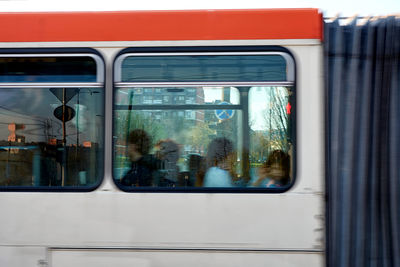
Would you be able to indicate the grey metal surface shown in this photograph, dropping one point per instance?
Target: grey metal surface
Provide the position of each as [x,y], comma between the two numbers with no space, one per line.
[362,70]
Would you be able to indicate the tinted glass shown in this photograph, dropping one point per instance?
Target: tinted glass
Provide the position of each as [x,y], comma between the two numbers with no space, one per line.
[204,68]
[47,69]
[234,137]
[46,144]
[271,144]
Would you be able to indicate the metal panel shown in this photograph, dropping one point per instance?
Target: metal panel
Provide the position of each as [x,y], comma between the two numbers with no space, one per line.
[255,229]
[194,258]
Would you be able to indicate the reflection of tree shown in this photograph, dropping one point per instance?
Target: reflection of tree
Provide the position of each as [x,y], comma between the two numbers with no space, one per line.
[227,128]
[260,145]
[126,122]
[175,127]
[276,118]
[199,136]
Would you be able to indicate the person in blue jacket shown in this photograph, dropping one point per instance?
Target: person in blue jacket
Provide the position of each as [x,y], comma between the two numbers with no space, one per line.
[220,158]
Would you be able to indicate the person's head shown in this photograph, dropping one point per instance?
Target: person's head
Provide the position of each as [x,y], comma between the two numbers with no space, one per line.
[277,166]
[168,150]
[139,144]
[219,151]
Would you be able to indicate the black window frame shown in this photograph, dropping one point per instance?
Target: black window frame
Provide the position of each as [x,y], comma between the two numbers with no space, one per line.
[62,52]
[211,49]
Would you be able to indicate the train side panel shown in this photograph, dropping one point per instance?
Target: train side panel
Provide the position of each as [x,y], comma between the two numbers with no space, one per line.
[111,227]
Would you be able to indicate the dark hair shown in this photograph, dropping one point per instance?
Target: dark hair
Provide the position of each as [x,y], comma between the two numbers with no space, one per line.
[282,159]
[141,139]
[169,150]
[218,150]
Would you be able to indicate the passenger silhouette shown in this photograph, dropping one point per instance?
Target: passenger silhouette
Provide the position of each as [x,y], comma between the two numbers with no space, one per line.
[220,159]
[168,154]
[142,164]
[275,172]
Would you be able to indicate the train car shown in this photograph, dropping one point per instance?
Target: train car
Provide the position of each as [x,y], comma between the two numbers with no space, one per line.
[162,138]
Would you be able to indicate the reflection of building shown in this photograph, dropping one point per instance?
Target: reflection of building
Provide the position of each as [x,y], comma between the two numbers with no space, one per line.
[13,137]
[41,164]
[168,97]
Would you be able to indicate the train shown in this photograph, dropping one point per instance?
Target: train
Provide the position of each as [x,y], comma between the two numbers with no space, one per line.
[148,138]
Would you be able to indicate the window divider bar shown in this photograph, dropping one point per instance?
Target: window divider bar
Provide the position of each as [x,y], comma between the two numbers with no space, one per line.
[51,85]
[178,107]
[199,84]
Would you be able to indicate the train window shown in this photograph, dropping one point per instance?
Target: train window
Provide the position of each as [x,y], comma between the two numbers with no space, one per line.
[270,123]
[193,68]
[200,124]
[49,121]
[47,69]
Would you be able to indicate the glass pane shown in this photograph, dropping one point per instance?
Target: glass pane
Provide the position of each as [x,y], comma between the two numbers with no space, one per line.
[270,136]
[164,141]
[178,96]
[232,68]
[44,143]
[173,143]
[47,69]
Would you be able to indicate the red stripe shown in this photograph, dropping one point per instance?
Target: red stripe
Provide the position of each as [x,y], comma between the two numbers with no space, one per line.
[161,25]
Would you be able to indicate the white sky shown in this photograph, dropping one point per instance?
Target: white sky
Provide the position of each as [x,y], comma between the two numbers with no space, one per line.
[328,7]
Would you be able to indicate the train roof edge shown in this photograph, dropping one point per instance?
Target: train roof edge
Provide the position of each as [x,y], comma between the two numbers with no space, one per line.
[247,24]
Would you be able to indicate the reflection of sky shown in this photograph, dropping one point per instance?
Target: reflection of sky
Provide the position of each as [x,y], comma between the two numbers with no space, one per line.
[211,94]
[259,102]
[28,107]
[34,108]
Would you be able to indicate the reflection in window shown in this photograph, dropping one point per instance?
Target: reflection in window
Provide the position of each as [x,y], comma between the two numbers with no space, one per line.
[232,135]
[204,68]
[47,69]
[211,145]
[188,131]
[270,136]
[45,143]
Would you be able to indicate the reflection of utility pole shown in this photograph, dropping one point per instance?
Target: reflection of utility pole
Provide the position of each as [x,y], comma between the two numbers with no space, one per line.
[64,113]
[77,126]
[77,120]
[64,140]
[245,133]
[78,107]
[128,123]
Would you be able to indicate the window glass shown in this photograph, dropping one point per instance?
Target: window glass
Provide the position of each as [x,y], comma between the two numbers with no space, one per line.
[47,69]
[203,68]
[270,130]
[204,121]
[38,150]
[50,136]
[234,137]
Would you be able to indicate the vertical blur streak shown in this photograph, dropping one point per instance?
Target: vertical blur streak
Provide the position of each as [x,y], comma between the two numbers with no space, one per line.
[362,72]
[64,142]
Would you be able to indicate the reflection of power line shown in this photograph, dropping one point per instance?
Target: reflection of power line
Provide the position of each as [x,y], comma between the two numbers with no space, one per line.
[24,123]
[25,116]
[47,128]
[81,91]
[32,131]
